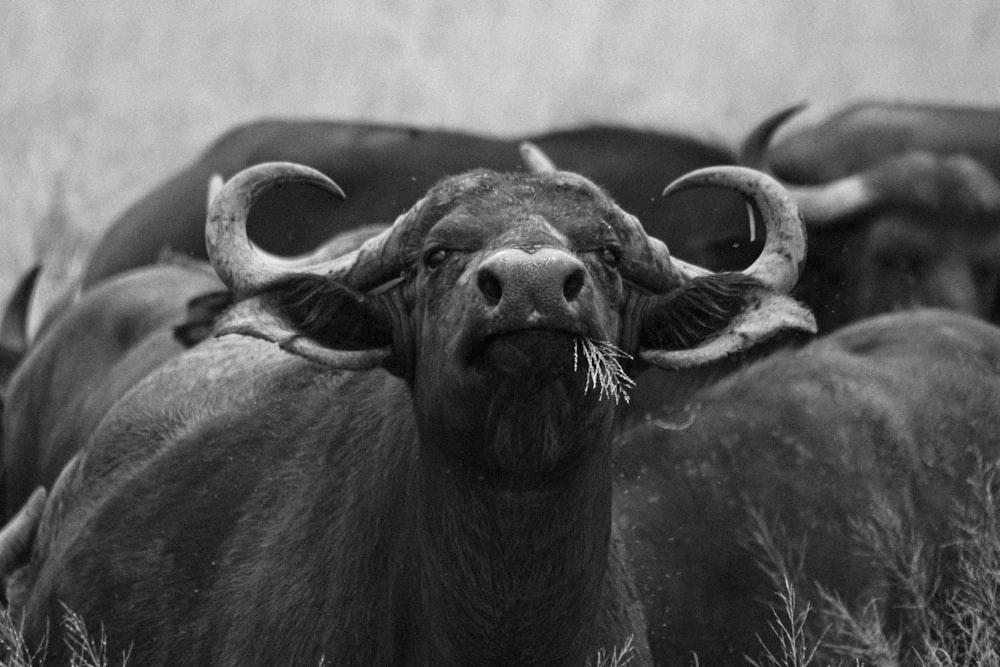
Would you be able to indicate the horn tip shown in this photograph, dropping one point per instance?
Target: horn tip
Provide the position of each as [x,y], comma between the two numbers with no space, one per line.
[535,159]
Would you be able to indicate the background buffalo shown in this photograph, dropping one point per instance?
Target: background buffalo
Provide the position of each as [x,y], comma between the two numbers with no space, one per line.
[103,100]
[384,169]
[902,202]
[838,465]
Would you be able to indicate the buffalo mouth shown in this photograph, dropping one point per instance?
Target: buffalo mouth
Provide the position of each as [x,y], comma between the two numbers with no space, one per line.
[534,357]
[532,353]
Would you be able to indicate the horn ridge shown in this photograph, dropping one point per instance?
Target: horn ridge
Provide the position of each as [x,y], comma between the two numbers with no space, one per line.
[238,263]
[784,251]
[753,149]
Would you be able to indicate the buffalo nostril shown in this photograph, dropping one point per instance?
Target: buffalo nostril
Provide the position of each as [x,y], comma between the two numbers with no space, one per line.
[490,286]
[573,285]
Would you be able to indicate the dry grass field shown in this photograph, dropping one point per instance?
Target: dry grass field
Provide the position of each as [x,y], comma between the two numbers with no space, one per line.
[100,100]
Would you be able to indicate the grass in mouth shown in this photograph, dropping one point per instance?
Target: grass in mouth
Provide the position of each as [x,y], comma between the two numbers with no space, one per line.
[604,370]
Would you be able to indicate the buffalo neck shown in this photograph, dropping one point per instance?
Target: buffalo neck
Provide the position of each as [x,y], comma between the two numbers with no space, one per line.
[514,566]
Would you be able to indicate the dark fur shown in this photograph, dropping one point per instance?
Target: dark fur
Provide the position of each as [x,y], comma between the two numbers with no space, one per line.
[899,408]
[86,359]
[696,312]
[459,514]
[389,562]
[314,305]
[202,313]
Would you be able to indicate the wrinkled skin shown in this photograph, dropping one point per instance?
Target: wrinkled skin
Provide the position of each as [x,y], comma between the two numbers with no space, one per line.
[897,411]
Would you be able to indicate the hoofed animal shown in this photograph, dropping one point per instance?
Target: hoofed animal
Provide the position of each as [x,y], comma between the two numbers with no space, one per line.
[867,133]
[419,472]
[909,220]
[386,169]
[95,352]
[90,355]
[888,418]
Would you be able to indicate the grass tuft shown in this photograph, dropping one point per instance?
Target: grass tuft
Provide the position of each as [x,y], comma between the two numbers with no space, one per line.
[784,564]
[936,602]
[604,370]
[795,646]
[85,649]
[617,657]
[14,651]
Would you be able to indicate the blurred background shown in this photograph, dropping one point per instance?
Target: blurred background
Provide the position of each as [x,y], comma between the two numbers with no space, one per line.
[101,100]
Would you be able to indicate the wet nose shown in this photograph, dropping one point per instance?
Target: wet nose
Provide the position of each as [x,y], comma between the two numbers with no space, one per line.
[547,279]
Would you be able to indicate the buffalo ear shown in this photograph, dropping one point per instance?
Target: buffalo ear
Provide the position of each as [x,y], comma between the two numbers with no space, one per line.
[203,312]
[713,317]
[319,320]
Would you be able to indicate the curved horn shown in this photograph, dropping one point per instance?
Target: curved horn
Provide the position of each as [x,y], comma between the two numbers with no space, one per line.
[215,183]
[915,178]
[832,203]
[820,205]
[753,150]
[241,266]
[785,248]
[981,188]
[535,160]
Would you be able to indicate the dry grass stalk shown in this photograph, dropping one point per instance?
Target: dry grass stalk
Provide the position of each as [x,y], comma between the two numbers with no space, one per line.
[937,605]
[604,370]
[617,657]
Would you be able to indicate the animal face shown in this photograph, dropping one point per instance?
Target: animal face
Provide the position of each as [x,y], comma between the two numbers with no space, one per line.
[512,304]
[506,291]
[495,278]
[921,259]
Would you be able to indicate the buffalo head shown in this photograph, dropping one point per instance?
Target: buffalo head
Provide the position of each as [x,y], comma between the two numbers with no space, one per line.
[911,229]
[500,293]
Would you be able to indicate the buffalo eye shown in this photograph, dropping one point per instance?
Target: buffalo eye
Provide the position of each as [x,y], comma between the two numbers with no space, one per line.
[611,255]
[435,257]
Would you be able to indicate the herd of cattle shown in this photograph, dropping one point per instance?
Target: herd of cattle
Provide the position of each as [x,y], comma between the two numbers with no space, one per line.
[476,412]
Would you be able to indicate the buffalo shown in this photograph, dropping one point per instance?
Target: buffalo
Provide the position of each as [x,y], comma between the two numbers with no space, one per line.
[88,356]
[69,378]
[386,168]
[866,133]
[902,204]
[401,454]
[867,435]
